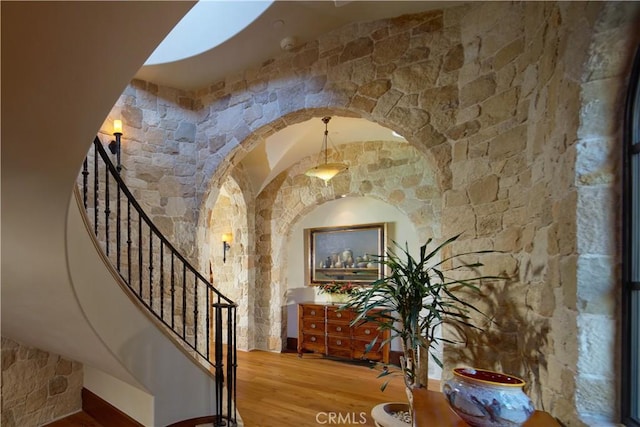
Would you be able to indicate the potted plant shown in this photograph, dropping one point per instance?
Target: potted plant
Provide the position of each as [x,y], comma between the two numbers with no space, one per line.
[415,297]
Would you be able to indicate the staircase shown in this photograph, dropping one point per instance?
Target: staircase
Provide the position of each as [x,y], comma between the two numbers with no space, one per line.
[57,294]
[160,280]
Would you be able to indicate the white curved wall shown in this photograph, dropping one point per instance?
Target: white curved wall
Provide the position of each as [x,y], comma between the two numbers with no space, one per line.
[64,64]
[180,388]
[133,401]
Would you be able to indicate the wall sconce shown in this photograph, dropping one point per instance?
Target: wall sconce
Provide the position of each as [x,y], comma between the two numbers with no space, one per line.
[226,245]
[114,146]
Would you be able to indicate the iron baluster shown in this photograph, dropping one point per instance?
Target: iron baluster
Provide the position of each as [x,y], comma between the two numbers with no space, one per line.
[231,360]
[161,279]
[218,366]
[95,189]
[195,311]
[184,301]
[118,217]
[140,256]
[208,327]
[150,268]
[107,211]
[85,177]
[129,242]
[173,293]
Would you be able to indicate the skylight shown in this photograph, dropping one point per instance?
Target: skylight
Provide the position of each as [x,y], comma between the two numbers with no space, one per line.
[205,26]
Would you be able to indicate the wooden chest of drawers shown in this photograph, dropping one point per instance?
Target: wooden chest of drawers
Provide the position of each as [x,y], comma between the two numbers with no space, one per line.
[326,329]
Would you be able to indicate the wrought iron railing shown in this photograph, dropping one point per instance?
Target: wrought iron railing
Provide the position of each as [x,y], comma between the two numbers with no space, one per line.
[160,277]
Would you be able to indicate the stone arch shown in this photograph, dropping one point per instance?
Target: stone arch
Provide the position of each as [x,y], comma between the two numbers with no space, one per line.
[237,153]
[395,173]
[603,79]
[232,163]
[274,330]
[229,213]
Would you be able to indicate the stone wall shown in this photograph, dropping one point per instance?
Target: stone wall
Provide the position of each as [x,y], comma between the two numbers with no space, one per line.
[516,171]
[512,106]
[37,387]
[159,157]
[231,277]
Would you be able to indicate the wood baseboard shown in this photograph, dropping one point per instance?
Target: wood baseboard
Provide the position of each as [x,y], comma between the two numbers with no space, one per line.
[394,357]
[104,412]
[292,345]
[194,422]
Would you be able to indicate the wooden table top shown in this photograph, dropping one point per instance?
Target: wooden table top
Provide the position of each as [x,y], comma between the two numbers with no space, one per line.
[432,410]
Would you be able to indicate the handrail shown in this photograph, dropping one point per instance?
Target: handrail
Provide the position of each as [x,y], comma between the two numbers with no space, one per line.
[177,284]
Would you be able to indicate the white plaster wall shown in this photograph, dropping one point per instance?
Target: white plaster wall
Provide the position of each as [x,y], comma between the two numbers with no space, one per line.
[137,403]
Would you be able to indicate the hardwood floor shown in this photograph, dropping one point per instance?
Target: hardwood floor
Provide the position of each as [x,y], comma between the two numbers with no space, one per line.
[287,391]
[283,390]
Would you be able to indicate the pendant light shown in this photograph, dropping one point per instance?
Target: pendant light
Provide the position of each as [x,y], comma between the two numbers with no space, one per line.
[325,171]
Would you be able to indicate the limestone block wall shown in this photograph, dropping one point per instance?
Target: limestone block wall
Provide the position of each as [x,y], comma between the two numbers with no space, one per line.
[513,106]
[37,387]
[159,157]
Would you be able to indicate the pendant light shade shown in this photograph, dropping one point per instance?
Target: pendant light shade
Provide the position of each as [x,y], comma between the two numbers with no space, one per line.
[325,171]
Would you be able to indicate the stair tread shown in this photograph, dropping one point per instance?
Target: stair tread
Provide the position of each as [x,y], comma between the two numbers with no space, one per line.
[79,419]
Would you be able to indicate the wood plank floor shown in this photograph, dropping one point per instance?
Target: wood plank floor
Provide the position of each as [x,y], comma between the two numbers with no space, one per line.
[287,391]
[283,390]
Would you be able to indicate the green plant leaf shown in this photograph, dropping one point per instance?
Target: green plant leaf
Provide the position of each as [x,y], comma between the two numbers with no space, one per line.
[417,295]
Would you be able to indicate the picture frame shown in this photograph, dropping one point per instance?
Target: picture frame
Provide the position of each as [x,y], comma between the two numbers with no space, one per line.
[345,254]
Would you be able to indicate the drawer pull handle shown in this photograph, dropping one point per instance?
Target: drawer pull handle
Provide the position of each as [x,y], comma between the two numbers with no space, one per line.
[313,339]
[313,326]
[338,329]
[338,315]
[367,332]
[313,312]
[339,342]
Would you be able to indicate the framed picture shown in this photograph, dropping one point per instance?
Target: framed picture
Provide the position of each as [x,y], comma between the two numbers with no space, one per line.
[345,254]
